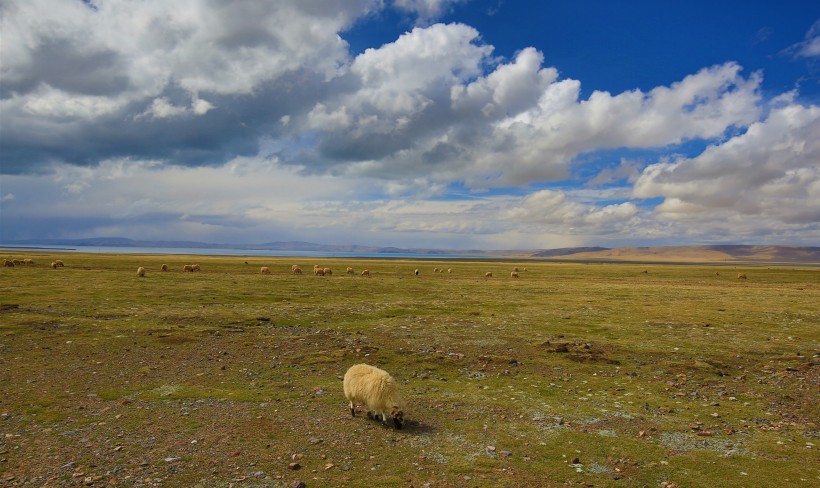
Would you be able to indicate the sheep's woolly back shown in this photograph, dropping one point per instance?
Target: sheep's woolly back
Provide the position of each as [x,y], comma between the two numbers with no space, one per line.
[372,387]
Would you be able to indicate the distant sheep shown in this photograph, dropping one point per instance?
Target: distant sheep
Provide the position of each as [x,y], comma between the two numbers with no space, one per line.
[319,271]
[28,261]
[376,390]
[195,267]
[328,271]
[298,270]
[416,272]
[8,264]
[449,270]
[264,270]
[513,274]
[349,270]
[54,265]
[164,267]
[717,273]
[141,272]
[188,267]
[741,276]
[435,270]
[293,268]
[366,273]
[488,274]
[59,263]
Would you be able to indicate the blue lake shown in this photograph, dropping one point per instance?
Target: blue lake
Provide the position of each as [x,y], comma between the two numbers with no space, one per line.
[237,252]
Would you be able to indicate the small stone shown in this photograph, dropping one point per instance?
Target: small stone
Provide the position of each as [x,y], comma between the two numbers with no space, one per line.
[298,484]
[490,448]
[576,460]
[294,466]
[171,459]
[315,440]
[506,453]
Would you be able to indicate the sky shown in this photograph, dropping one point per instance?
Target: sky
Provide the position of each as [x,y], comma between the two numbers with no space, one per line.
[452,124]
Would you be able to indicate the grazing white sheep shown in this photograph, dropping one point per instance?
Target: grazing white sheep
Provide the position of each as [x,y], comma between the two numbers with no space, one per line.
[59,263]
[349,270]
[328,271]
[741,276]
[8,264]
[195,267]
[319,271]
[164,267]
[488,274]
[141,272]
[416,272]
[513,274]
[188,267]
[293,268]
[28,261]
[264,270]
[298,270]
[376,390]
[54,265]
[449,270]
[366,273]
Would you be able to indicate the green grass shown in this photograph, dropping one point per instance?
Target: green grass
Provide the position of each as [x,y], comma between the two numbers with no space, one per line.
[227,376]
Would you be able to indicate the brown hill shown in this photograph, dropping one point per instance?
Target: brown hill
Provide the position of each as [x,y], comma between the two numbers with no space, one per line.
[704,254]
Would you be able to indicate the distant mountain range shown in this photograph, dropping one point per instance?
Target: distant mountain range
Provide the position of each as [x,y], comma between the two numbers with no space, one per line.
[668,254]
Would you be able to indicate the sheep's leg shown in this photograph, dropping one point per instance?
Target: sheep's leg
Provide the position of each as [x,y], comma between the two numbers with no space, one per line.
[352,410]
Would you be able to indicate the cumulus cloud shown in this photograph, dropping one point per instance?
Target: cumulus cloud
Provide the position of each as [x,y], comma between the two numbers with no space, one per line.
[282,127]
[120,72]
[769,173]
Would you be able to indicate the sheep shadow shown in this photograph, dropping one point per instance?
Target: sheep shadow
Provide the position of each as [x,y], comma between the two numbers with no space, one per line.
[409,427]
[416,427]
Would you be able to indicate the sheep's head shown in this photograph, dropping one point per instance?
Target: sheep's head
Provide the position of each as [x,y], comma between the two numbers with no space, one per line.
[398,416]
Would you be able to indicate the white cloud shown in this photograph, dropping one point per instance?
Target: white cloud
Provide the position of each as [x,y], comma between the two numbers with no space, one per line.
[426,10]
[123,106]
[810,47]
[769,174]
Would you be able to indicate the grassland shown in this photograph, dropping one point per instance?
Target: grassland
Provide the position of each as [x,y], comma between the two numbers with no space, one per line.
[571,375]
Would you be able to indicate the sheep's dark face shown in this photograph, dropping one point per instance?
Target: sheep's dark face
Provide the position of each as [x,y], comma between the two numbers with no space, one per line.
[398,416]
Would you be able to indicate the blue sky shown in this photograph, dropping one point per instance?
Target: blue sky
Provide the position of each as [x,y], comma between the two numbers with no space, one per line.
[412,123]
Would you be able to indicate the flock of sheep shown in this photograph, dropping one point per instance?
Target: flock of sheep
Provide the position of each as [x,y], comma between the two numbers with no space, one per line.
[295,269]
[317,270]
[10,263]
